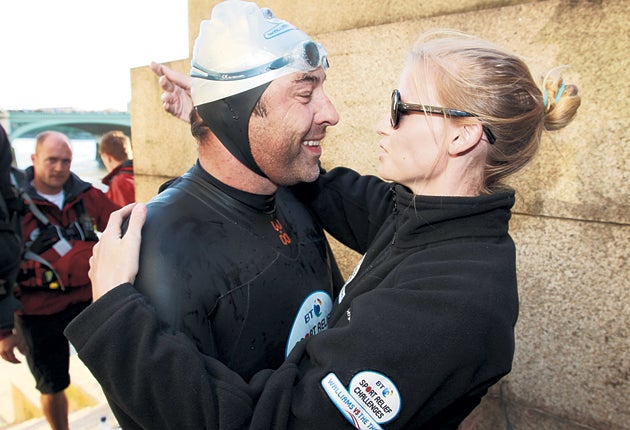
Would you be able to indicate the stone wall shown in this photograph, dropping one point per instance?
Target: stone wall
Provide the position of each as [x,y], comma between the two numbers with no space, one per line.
[571,220]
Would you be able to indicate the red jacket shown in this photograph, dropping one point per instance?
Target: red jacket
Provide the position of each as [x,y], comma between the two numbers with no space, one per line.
[122,189]
[40,292]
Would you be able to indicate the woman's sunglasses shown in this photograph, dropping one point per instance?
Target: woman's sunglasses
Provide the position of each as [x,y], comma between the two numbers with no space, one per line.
[399,107]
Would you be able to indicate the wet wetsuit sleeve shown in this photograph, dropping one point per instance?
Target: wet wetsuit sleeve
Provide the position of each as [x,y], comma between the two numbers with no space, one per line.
[349,206]
[174,264]
[456,331]
[160,266]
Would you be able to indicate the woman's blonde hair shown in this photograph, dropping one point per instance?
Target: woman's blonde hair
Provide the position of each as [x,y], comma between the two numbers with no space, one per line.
[476,76]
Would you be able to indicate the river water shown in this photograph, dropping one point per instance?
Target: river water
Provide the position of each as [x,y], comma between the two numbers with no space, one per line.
[84,162]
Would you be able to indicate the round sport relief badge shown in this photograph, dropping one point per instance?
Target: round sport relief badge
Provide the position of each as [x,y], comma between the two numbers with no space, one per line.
[311,318]
[371,398]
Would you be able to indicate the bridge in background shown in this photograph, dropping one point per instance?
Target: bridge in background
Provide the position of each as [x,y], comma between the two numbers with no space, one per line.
[20,124]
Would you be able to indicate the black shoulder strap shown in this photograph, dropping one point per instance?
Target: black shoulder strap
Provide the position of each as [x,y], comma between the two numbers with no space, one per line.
[79,209]
[4,216]
[30,255]
[41,218]
[83,224]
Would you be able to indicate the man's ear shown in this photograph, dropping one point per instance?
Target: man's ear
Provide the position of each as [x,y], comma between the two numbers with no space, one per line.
[466,137]
[106,158]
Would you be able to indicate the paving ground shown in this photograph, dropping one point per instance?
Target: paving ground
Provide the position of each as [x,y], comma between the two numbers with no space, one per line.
[19,398]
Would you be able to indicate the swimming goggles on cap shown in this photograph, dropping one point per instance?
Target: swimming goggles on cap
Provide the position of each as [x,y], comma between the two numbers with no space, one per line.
[306,56]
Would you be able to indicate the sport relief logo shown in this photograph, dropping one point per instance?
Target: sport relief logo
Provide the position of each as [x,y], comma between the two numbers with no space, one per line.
[370,400]
[311,318]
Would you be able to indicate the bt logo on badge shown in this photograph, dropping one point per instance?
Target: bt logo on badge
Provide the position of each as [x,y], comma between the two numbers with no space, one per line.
[385,391]
[316,311]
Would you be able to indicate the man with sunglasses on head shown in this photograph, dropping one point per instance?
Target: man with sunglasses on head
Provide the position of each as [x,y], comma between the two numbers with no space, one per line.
[231,258]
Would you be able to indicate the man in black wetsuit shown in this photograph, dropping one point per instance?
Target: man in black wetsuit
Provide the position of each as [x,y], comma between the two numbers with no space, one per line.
[229,256]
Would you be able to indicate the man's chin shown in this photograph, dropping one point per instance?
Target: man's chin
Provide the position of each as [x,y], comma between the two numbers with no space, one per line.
[311,176]
[57,183]
[304,177]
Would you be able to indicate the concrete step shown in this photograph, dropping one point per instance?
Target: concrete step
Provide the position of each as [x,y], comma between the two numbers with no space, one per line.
[19,400]
[83,419]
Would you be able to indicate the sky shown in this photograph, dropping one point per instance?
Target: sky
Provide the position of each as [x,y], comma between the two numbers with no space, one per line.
[78,53]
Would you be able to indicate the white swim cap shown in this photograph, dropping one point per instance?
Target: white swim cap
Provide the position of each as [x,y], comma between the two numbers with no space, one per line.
[243,46]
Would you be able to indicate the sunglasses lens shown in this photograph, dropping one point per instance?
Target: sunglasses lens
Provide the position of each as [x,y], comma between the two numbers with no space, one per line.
[395,113]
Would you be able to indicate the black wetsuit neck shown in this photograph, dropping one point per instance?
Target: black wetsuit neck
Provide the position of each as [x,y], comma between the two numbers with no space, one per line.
[260,202]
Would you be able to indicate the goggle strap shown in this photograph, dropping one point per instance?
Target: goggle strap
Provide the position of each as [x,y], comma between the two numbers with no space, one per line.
[313,55]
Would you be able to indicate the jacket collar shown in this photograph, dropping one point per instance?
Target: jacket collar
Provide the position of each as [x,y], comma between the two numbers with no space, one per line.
[124,167]
[427,219]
